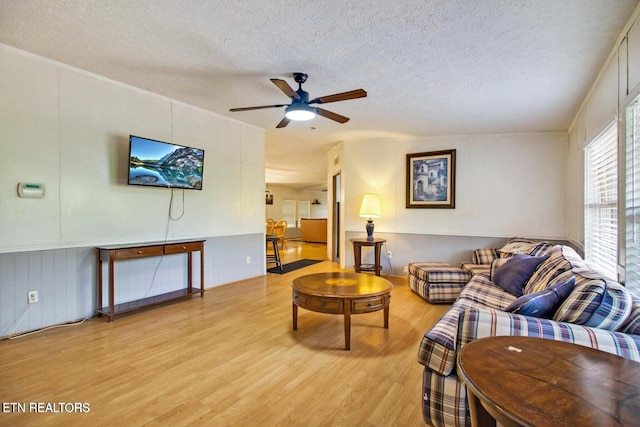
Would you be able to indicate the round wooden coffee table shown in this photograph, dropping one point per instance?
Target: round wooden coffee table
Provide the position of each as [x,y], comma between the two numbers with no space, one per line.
[341,293]
[525,381]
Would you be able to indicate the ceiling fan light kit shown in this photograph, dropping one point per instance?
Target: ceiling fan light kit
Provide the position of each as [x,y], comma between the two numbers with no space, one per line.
[300,108]
[300,112]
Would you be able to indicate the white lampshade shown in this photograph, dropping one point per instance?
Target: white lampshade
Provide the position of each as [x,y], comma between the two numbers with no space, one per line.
[370,207]
[300,112]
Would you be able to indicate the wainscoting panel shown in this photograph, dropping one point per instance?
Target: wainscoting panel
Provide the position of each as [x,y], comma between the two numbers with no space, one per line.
[66,279]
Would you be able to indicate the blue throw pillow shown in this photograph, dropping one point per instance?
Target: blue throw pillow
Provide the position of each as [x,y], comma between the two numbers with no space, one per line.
[513,275]
[544,303]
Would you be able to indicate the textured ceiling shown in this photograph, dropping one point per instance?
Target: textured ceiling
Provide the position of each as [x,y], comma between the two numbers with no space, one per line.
[430,67]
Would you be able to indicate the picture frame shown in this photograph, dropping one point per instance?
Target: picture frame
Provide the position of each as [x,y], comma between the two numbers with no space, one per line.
[431,179]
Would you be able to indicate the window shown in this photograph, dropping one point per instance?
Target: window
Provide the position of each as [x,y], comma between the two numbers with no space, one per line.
[288,212]
[303,211]
[601,201]
[632,259]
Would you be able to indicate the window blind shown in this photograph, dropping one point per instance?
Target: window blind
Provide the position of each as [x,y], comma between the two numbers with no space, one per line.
[601,201]
[632,193]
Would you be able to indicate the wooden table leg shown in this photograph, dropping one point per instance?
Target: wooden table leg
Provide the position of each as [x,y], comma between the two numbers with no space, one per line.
[357,256]
[386,317]
[479,415]
[295,317]
[99,283]
[202,269]
[347,332]
[112,299]
[377,266]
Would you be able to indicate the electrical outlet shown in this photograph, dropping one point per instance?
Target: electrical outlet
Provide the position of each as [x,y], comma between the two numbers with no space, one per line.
[248,260]
[405,269]
[32,296]
[389,254]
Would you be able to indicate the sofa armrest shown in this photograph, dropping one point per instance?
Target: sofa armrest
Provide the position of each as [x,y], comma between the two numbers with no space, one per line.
[476,323]
[484,256]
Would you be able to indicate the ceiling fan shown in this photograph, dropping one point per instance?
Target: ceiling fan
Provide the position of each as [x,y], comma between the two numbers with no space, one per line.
[300,107]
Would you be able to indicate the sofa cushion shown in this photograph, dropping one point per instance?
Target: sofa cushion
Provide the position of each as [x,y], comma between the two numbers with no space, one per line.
[476,268]
[482,291]
[516,245]
[614,310]
[484,256]
[513,275]
[479,292]
[584,299]
[558,262]
[542,248]
[542,304]
[632,325]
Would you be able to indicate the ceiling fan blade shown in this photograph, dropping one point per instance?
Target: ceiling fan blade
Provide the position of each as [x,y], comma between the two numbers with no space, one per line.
[283,123]
[352,94]
[331,115]
[284,86]
[261,107]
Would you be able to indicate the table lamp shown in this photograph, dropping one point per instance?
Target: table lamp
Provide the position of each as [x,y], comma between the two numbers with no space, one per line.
[370,208]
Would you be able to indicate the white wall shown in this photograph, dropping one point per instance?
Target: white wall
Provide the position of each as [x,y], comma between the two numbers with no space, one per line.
[506,185]
[69,130]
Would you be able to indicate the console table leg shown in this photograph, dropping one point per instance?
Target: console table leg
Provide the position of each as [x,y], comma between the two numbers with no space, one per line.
[295,317]
[347,332]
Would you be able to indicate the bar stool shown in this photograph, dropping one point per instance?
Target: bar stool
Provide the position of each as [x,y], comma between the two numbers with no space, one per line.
[275,258]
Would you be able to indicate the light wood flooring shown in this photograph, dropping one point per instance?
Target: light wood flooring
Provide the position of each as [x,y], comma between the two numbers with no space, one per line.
[228,359]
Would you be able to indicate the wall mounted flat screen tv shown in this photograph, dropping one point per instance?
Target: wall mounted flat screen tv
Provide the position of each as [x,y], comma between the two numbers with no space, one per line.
[160,164]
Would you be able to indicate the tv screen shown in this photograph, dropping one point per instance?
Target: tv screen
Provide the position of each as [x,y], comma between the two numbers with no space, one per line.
[160,164]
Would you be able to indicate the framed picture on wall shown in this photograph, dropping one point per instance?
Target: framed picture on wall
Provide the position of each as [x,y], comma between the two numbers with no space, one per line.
[431,179]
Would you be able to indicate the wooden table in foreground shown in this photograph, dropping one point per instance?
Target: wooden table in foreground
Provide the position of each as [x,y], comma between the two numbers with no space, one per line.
[526,381]
[341,293]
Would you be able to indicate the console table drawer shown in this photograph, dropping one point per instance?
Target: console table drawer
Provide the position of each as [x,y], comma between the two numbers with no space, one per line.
[179,248]
[138,252]
[368,304]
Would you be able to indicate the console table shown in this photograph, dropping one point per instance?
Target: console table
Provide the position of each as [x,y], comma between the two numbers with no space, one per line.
[115,253]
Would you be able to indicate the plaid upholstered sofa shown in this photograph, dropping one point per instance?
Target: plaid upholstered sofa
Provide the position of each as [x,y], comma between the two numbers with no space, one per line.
[596,313]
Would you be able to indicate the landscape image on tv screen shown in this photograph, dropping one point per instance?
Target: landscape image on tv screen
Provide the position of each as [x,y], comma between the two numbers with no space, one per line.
[160,164]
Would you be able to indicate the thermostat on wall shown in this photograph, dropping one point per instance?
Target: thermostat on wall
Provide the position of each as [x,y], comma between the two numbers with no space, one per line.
[27,189]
